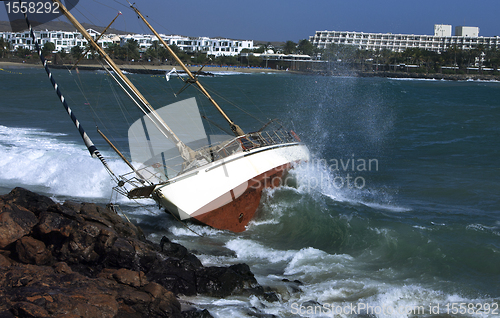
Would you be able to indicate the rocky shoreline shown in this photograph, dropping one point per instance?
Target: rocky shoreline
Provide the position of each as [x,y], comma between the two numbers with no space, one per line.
[84,260]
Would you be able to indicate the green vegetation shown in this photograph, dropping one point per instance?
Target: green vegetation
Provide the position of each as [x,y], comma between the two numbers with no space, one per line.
[48,48]
[346,57]
[127,52]
[414,59]
[4,47]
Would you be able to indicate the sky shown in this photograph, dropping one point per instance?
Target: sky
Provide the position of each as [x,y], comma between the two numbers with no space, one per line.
[294,20]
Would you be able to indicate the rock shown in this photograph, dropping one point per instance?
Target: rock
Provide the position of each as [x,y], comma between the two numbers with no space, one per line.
[179,252]
[102,266]
[131,278]
[271,297]
[15,222]
[6,314]
[54,224]
[155,290]
[32,251]
[40,291]
[226,281]
[28,200]
[62,267]
[27,309]
[196,313]
[173,276]
[4,261]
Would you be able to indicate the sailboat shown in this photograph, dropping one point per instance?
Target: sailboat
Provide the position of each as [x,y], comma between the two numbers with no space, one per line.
[214,179]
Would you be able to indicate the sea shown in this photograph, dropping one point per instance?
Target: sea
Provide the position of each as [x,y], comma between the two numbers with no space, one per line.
[397,213]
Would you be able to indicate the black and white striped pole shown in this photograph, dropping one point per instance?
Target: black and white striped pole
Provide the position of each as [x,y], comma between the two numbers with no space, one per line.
[86,139]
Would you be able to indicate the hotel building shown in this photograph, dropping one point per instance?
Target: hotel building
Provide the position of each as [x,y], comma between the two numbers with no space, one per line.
[465,38]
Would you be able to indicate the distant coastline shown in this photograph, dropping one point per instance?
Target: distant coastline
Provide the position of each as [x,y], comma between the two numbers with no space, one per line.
[436,76]
[149,68]
[214,69]
[407,75]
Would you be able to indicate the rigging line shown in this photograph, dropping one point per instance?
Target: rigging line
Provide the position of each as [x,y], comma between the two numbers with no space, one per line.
[121,4]
[107,5]
[114,207]
[126,91]
[151,19]
[228,101]
[126,114]
[90,105]
[121,106]
[97,118]
[182,223]
[234,105]
[138,83]
[89,12]
[84,16]
[150,115]
[251,100]
[81,87]
[214,124]
[203,110]
[144,107]
[124,20]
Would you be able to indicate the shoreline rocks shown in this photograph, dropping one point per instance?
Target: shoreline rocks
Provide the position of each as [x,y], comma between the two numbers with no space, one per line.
[83,260]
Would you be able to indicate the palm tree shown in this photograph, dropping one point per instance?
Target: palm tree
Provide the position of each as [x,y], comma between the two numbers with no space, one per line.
[47,48]
[305,47]
[4,47]
[290,47]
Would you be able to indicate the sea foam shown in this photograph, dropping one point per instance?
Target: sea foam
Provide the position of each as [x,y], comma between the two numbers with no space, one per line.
[40,161]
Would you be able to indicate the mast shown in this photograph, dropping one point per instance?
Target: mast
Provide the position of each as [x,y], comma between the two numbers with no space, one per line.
[97,40]
[235,128]
[186,152]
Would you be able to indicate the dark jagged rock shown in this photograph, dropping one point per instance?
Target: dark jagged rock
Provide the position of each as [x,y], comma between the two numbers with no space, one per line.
[32,251]
[223,281]
[15,223]
[84,260]
[196,313]
[29,200]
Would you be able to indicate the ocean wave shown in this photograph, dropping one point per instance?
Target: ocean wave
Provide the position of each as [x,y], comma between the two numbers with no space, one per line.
[38,160]
[417,79]
[250,250]
[318,180]
[195,230]
[484,228]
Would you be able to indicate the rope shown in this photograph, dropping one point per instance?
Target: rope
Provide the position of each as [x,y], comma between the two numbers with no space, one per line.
[175,217]
[1,69]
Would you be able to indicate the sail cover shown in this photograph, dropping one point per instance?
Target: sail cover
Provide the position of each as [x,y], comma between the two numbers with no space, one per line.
[152,151]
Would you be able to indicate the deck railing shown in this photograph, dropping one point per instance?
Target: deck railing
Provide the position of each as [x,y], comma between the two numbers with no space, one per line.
[155,173]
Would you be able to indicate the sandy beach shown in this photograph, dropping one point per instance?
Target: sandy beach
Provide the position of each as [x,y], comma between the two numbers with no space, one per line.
[149,67]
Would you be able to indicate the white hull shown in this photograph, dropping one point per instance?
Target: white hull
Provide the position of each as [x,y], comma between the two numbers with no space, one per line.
[223,182]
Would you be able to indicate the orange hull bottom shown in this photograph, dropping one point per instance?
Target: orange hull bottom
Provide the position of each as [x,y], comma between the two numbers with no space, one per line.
[235,215]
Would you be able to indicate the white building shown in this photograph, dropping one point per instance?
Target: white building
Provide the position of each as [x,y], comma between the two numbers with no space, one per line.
[472,32]
[62,40]
[400,42]
[66,40]
[442,30]
[210,46]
